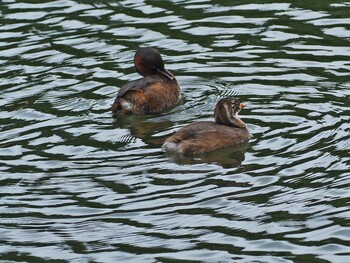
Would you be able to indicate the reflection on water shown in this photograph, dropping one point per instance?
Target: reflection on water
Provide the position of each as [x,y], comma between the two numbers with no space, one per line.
[231,156]
[79,186]
[145,127]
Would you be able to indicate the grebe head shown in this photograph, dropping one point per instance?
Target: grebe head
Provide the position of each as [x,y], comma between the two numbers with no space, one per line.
[226,112]
[148,61]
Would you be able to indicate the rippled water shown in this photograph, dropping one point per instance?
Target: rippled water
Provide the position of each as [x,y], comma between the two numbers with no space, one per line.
[78,186]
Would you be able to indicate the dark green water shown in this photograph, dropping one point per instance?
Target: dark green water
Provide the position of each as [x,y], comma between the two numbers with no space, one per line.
[78,186]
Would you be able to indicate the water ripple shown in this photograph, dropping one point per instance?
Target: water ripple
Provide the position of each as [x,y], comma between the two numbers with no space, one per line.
[78,186]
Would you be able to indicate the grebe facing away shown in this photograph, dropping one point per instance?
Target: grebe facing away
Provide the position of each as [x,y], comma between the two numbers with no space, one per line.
[157,91]
[204,136]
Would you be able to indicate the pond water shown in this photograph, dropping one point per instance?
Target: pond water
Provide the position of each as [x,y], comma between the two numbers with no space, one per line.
[79,186]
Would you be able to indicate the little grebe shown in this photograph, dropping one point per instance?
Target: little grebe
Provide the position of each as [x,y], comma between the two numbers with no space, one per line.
[204,136]
[157,91]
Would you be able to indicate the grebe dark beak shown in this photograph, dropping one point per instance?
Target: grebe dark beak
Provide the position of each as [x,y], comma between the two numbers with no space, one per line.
[165,73]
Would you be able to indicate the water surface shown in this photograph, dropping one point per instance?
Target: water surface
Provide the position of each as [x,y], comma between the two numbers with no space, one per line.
[78,186]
